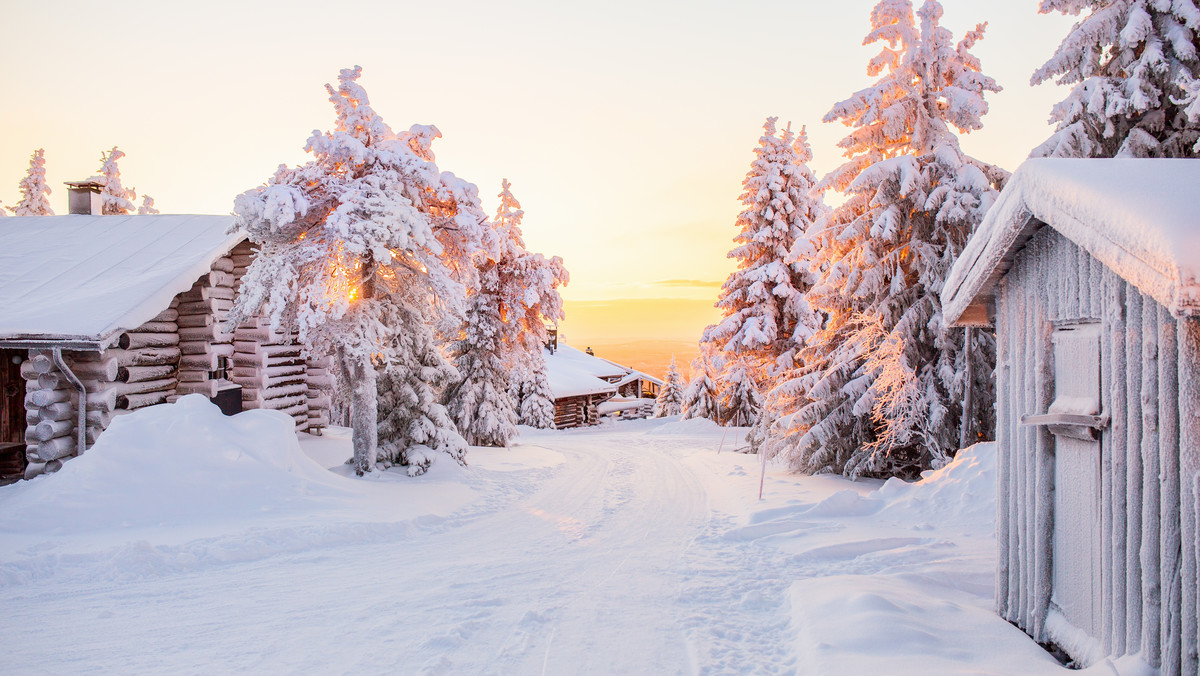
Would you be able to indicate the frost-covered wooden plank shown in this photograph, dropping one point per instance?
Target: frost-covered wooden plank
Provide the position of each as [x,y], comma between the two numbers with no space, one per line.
[1044,467]
[1003,459]
[1189,466]
[1133,474]
[1150,612]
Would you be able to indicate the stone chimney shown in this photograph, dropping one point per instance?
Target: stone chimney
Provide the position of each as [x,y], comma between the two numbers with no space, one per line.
[83,197]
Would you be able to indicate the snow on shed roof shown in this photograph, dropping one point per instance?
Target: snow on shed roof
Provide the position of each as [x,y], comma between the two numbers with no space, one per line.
[572,374]
[638,375]
[87,278]
[1140,217]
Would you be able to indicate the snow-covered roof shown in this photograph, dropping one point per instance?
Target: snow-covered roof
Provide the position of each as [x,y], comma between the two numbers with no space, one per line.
[573,373]
[601,368]
[85,278]
[1137,216]
[638,375]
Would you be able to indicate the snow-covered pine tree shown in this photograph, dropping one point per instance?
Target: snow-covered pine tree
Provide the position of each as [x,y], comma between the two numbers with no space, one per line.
[115,199]
[740,400]
[147,206]
[480,403]
[353,255]
[1129,63]
[762,302]
[413,425]
[505,330]
[670,397]
[537,399]
[532,292]
[34,189]
[700,399]
[884,390]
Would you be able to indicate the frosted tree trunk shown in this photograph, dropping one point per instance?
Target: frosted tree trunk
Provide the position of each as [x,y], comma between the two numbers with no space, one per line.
[364,410]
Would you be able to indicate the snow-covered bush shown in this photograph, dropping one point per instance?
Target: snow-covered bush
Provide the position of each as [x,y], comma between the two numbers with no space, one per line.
[1129,63]
[34,189]
[880,386]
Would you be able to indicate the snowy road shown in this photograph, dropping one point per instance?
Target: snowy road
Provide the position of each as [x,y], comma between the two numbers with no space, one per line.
[636,554]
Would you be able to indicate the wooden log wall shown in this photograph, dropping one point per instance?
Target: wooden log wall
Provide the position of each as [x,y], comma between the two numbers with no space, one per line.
[1149,464]
[50,414]
[568,412]
[319,379]
[203,341]
[271,367]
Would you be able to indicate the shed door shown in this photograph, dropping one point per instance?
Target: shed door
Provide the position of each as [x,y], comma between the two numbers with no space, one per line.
[1077,478]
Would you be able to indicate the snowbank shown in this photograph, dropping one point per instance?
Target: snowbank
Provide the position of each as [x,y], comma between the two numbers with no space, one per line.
[673,425]
[899,579]
[961,493]
[186,464]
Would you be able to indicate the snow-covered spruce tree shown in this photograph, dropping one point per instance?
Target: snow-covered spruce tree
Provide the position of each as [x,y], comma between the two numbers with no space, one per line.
[884,390]
[147,206]
[34,189]
[537,400]
[740,400]
[353,254]
[763,300]
[413,424]
[480,403]
[505,330]
[670,397]
[700,399]
[115,199]
[1128,62]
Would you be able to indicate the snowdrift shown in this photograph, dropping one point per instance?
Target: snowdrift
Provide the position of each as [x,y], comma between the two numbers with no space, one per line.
[172,464]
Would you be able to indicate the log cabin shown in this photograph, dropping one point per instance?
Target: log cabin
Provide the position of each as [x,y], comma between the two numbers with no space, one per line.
[103,315]
[579,386]
[587,387]
[1089,270]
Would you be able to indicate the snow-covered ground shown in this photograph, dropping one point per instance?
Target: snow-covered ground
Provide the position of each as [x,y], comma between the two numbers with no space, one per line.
[188,542]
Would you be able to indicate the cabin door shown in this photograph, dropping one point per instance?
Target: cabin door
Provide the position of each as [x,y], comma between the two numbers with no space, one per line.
[1076,548]
[12,414]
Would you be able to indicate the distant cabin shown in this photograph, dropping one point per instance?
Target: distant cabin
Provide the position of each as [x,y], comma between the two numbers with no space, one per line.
[1089,270]
[586,387]
[103,315]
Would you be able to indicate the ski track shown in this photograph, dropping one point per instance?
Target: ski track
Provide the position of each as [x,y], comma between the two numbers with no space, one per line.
[614,561]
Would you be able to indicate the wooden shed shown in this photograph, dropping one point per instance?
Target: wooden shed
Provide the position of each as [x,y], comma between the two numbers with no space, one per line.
[1089,270]
[102,315]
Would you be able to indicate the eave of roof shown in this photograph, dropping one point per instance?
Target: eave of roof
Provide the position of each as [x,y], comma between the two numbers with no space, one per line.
[1135,216]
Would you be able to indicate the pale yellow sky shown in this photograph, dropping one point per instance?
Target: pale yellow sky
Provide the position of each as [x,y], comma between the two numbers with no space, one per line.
[625,127]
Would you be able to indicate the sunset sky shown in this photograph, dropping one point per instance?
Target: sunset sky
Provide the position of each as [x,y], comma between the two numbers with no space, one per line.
[625,127]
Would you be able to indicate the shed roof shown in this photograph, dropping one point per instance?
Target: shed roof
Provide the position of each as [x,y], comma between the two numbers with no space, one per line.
[81,278]
[638,375]
[1137,216]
